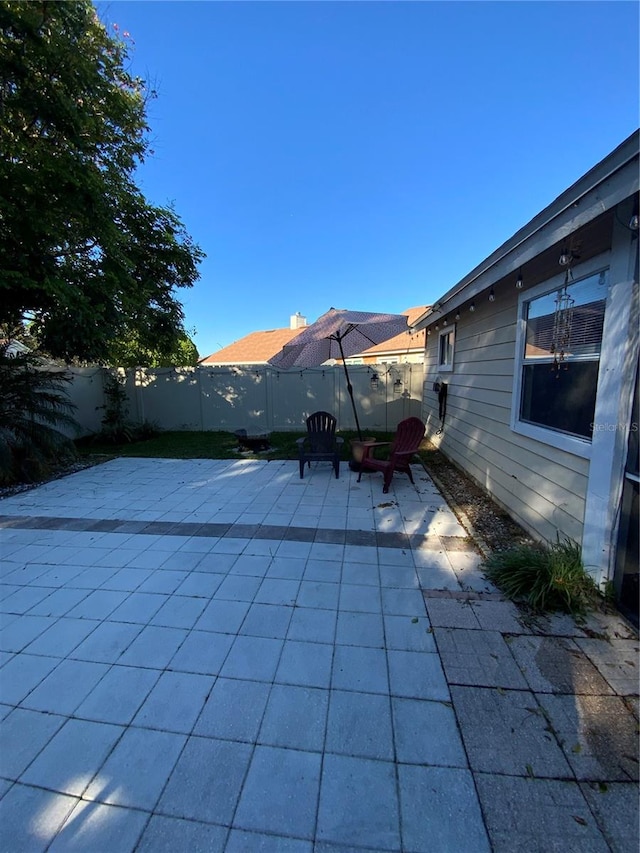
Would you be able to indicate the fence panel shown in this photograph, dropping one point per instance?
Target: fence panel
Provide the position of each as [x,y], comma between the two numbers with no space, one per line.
[234,398]
[259,399]
[86,391]
[295,394]
[168,397]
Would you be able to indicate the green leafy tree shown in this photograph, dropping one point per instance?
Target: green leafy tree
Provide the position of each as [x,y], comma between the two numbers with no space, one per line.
[130,353]
[187,354]
[84,257]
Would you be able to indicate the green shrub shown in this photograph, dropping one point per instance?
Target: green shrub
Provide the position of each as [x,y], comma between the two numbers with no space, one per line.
[547,578]
[117,427]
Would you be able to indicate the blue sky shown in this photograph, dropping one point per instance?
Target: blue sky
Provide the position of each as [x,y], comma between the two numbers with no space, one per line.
[367,155]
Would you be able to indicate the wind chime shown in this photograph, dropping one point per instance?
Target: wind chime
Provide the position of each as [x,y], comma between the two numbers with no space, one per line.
[562,321]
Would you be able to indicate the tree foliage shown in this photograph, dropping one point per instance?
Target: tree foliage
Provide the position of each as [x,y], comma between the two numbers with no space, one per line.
[130,353]
[83,255]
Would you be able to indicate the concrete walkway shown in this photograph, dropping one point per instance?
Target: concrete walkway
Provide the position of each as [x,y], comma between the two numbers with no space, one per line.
[218,656]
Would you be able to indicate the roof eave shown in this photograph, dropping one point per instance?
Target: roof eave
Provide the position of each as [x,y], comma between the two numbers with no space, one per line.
[576,206]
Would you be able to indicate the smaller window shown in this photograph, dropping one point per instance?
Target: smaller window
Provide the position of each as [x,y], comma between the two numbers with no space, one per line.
[446,343]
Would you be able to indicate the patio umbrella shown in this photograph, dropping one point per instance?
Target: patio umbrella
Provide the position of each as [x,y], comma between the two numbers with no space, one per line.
[339,334]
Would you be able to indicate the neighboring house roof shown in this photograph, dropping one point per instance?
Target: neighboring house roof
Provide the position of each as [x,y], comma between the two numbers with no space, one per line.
[405,341]
[255,348]
[259,347]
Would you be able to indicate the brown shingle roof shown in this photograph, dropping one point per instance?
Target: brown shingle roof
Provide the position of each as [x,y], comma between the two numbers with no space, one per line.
[403,341]
[259,347]
[256,348]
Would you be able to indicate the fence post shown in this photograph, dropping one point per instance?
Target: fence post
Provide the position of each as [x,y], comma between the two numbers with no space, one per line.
[200,396]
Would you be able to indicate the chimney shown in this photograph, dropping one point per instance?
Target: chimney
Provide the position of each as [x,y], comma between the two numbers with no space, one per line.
[297,321]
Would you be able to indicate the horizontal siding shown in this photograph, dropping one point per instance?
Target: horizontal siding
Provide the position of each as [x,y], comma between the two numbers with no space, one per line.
[541,515]
[477,338]
[513,466]
[543,488]
[471,385]
[486,437]
[494,424]
[497,366]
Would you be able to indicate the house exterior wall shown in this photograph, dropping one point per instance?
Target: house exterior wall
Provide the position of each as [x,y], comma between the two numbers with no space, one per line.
[402,358]
[541,487]
[567,481]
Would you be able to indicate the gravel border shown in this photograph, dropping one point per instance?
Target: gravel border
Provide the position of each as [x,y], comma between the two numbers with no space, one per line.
[65,471]
[485,521]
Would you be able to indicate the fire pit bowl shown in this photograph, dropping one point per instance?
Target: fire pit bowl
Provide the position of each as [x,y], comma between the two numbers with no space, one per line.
[255,442]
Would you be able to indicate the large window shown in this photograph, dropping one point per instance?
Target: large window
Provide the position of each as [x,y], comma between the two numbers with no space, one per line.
[560,356]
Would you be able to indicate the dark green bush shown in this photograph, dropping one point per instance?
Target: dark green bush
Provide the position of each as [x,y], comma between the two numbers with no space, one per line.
[547,578]
[33,409]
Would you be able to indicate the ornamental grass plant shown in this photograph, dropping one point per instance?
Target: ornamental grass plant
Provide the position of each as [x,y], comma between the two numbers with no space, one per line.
[546,578]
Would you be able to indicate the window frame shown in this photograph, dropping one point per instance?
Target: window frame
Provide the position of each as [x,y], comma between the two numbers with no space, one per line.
[561,440]
[447,367]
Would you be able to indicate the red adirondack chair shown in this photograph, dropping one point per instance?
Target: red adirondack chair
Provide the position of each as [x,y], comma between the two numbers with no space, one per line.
[407,440]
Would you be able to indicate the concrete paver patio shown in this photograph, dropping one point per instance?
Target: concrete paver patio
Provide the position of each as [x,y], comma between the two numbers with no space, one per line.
[219,656]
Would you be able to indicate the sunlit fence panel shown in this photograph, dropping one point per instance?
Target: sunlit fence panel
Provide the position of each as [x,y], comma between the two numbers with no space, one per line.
[258,399]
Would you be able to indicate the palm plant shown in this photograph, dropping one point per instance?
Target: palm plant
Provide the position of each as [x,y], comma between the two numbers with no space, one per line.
[33,409]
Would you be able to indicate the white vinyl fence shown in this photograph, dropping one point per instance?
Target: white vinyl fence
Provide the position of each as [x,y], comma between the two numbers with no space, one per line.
[258,399]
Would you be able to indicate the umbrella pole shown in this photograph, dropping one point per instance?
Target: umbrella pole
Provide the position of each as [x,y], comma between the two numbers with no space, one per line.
[349,387]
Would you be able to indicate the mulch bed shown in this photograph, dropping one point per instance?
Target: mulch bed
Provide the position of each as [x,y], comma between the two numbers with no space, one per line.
[473,506]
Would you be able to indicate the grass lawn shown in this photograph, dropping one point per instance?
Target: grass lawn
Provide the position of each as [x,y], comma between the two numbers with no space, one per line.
[212,445]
